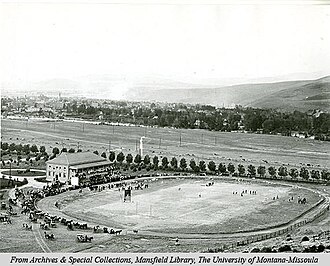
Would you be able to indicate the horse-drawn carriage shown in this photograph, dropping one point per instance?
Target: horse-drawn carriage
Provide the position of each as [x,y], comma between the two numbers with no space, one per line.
[3,206]
[44,226]
[4,218]
[82,238]
[11,212]
[27,227]
[12,201]
[49,236]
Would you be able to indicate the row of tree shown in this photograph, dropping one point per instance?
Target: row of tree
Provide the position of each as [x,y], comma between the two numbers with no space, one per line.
[22,148]
[182,165]
[208,117]
[137,163]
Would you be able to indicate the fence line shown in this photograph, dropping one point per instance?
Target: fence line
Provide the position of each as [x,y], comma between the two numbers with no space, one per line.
[260,237]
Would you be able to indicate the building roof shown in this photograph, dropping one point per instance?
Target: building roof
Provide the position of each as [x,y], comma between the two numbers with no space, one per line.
[90,165]
[76,158]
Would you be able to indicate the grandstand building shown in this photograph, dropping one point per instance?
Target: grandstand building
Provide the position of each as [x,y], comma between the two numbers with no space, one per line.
[68,167]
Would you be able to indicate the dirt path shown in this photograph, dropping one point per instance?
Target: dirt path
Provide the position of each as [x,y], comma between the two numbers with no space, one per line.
[41,242]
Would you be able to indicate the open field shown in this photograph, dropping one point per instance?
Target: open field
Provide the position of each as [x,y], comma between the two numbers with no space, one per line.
[9,183]
[23,173]
[198,144]
[174,206]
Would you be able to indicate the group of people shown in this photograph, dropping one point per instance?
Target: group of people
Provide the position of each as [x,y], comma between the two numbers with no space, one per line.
[251,192]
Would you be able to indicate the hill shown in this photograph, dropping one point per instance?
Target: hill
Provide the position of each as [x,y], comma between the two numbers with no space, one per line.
[311,95]
[300,95]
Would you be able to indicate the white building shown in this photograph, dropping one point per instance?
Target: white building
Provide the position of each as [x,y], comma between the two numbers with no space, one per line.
[66,167]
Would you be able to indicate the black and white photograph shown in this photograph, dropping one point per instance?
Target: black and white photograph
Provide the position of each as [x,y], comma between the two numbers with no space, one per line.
[165,127]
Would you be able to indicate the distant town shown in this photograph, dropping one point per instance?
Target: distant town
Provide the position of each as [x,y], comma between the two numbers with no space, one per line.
[314,124]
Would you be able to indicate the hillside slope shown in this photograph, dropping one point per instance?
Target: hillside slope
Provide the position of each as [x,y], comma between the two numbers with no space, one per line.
[291,95]
[312,95]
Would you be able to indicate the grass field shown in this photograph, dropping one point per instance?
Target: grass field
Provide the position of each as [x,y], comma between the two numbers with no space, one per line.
[175,206]
[23,173]
[198,144]
[9,183]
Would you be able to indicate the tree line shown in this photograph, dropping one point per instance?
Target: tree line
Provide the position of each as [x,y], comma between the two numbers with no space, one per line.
[267,121]
[137,163]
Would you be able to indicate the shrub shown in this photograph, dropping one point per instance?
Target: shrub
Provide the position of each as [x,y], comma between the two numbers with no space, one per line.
[284,248]
[320,248]
[311,249]
[305,238]
[266,250]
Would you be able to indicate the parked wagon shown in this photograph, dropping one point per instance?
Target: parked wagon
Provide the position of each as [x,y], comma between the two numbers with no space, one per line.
[84,238]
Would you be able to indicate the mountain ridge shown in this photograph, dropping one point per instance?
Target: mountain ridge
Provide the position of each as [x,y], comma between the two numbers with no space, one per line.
[302,95]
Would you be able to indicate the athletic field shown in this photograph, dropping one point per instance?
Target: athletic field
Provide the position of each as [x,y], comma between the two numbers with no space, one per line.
[189,206]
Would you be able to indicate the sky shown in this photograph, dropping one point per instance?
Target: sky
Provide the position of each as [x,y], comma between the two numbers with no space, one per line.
[187,42]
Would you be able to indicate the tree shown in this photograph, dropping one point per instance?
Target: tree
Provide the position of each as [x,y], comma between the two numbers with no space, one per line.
[26,149]
[212,167]
[272,171]
[282,171]
[96,152]
[192,164]
[34,148]
[222,168]
[146,159]
[325,175]
[71,150]
[19,148]
[4,146]
[197,169]
[79,150]
[165,162]
[261,171]
[56,151]
[12,147]
[155,162]
[42,149]
[293,173]
[112,156]
[252,170]
[104,155]
[315,174]
[129,158]
[304,173]
[183,164]
[174,163]
[231,168]
[241,170]
[120,157]
[65,150]
[202,166]
[137,159]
